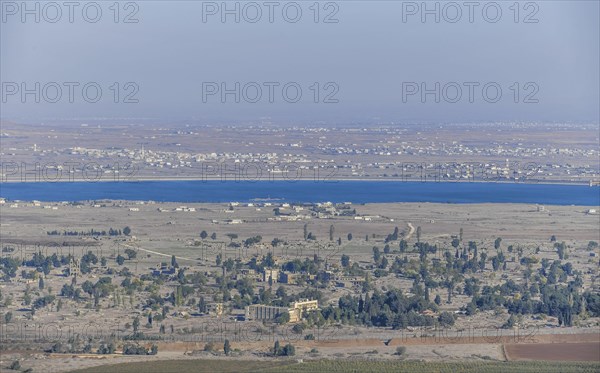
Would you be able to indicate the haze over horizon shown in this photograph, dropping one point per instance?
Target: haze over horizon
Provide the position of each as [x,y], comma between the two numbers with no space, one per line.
[367,55]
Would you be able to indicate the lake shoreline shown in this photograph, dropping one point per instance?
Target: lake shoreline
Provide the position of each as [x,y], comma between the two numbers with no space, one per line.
[322,180]
[306,191]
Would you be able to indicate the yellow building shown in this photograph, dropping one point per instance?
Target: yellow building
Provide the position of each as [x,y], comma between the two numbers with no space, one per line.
[264,312]
[289,278]
[299,307]
[271,274]
[215,309]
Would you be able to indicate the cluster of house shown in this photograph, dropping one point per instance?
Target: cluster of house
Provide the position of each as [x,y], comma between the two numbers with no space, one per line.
[177,209]
[295,212]
[274,275]
[163,269]
[34,203]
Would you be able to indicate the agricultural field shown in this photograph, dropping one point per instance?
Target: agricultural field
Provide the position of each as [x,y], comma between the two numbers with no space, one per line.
[553,351]
[347,366]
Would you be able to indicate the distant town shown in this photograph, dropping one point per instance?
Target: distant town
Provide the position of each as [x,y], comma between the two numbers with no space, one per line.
[512,152]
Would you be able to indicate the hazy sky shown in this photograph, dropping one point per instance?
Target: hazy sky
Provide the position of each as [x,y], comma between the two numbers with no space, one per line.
[374,49]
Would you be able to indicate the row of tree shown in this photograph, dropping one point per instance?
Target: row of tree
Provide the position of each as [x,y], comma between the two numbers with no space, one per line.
[92,232]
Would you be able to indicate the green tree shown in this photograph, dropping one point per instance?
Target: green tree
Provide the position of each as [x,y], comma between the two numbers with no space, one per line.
[446,319]
[280,293]
[127,231]
[202,305]
[269,260]
[227,347]
[376,254]
[229,264]
[88,287]
[277,348]
[471,309]
[349,236]
[512,321]
[331,232]
[345,260]
[471,286]
[561,248]
[136,324]
[283,318]
[203,235]
[131,254]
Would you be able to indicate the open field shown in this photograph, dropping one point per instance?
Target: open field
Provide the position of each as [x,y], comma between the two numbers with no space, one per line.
[182,333]
[346,366]
[183,366]
[460,353]
[554,352]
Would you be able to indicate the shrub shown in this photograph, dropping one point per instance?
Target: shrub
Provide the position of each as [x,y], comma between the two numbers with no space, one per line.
[133,349]
[105,349]
[298,328]
[400,350]
[15,365]
[289,350]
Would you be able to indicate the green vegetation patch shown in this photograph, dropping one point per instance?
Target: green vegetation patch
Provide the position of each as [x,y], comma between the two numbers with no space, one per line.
[187,366]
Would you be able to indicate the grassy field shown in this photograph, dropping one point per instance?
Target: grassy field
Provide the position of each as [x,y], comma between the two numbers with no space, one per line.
[191,366]
[184,366]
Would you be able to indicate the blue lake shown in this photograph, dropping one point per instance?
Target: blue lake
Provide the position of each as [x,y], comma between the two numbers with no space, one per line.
[305,191]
